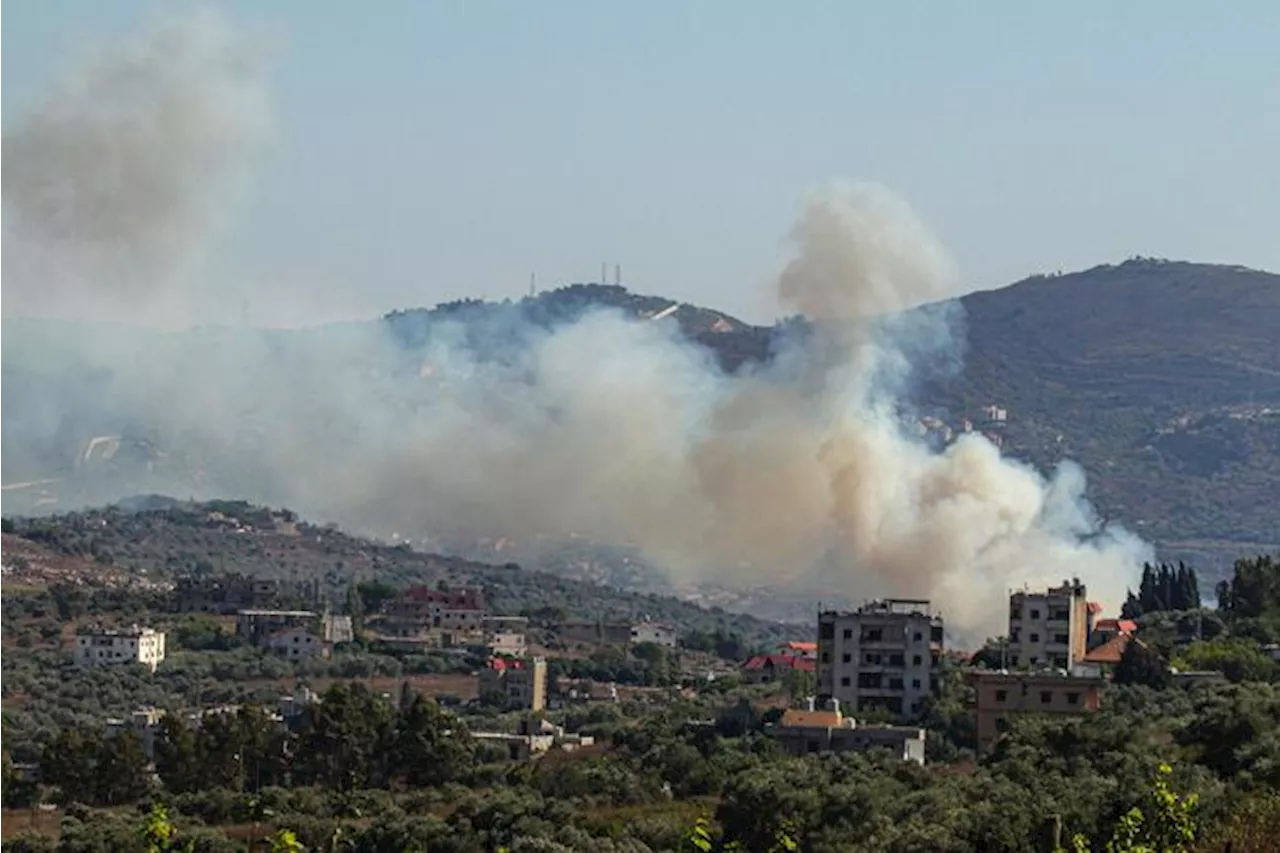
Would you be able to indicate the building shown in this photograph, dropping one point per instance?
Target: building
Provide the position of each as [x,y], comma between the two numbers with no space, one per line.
[535,739]
[449,608]
[1001,695]
[232,592]
[658,633]
[508,644]
[121,646]
[766,669]
[1050,628]
[798,648]
[297,634]
[595,632]
[804,731]
[144,723]
[879,656]
[1106,630]
[519,683]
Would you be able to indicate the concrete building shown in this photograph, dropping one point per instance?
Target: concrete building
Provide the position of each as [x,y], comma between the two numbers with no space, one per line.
[120,646]
[520,683]
[1001,695]
[879,656]
[1050,628]
[144,723]
[808,730]
[297,634]
[594,632]
[658,633]
[508,644]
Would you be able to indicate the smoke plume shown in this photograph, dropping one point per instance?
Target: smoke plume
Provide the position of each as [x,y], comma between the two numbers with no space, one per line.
[116,181]
[805,469]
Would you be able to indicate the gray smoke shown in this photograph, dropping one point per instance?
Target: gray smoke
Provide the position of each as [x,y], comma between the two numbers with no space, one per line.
[802,471]
[115,182]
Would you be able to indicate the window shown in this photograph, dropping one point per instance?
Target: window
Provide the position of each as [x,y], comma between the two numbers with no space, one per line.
[895,660]
[1002,695]
[872,635]
[1073,698]
[1035,613]
[1035,638]
[935,634]
[826,657]
[1061,639]
[844,682]
[1002,725]
[915,683]
[872,658]
[1013,634]
[848,633]
[827,631]
[1046,697]
[1060,614]
[1013,660]
[917,637]
[916,660]
[895,683]
[1033,660]
[846,658]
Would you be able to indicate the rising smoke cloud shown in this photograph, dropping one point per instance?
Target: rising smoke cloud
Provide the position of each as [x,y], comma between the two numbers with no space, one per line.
[116,181]
[803,470]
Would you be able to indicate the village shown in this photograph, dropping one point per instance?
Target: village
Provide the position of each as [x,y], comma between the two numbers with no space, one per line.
[861,684]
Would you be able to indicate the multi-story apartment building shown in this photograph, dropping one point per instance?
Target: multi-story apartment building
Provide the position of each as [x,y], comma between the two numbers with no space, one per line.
[520,682]
[1002,695]
[879,656]
[120,646]
[1048,629]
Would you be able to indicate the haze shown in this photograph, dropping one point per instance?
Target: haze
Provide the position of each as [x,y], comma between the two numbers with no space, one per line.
[433,151]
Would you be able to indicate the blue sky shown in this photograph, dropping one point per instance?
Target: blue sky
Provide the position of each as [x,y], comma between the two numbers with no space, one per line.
[430,150]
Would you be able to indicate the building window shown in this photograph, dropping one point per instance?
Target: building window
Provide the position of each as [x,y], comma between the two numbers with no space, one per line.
[1032,661]
[917,637]
[896,660]
[844,682]
[872,657]
[872,635]
[1060,615]
[1035,638]
[848,633]
[1002,725]
[1061,639]
[846,658]
[916,660]
[826,657]
[1013,660]
[1002,695]
[1046,697]
[1035,613]
[826,631]
[895,683]
[915,683]
[1073,698]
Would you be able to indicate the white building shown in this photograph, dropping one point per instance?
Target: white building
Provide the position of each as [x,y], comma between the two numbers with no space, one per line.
[120,646]
[1048,629]
[879,656]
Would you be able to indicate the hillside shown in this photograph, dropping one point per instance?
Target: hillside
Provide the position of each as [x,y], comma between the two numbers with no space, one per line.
[105,547]
[1161,378]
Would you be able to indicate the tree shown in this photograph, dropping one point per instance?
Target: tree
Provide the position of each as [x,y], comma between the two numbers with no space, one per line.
[1140,664]
[67,763]
[1164,823]
[177,757]
[346,742]
[1254,588]
[432,747]
[121,774]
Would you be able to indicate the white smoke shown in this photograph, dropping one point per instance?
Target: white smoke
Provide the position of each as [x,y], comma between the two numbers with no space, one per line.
[801,470]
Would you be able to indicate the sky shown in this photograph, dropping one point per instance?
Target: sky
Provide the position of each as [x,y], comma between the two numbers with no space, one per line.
[426,151]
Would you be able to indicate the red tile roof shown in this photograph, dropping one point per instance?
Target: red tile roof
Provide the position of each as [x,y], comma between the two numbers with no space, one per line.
[1094,607]
[1124,626]
[1112,650]
[799,646]
[779,662]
